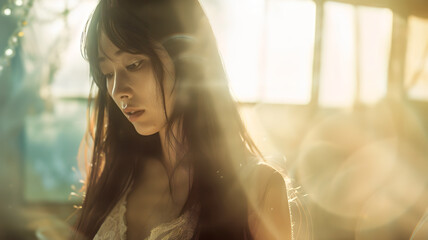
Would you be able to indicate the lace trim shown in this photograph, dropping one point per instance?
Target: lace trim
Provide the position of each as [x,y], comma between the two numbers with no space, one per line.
[122,217]
[114,227]
[180,228]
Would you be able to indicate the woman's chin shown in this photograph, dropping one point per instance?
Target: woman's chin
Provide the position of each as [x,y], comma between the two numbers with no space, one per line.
[145,131]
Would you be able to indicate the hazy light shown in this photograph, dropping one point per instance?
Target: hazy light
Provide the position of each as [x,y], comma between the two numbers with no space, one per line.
[19,2]
[7,11]
[375,28]
[268,57]
[290,50]
[353,171]
[416,69]
[8,52]
[338,68]
[238,30]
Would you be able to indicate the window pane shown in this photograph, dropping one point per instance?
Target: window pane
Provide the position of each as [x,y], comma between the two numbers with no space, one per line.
[51,141]
[72,78]
[237,26]
[52,48]
[290,50]
[337,83]
[416,71]
[54,68]
[375,31]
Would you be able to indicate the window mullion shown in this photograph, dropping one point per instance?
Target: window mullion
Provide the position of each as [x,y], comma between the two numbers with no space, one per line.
[397,58]
[358,49]
[316,70]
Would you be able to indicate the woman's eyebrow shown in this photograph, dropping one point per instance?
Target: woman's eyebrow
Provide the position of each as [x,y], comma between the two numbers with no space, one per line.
[117,53]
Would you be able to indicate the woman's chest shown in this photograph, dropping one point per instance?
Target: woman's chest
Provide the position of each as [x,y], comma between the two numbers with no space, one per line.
[154,200]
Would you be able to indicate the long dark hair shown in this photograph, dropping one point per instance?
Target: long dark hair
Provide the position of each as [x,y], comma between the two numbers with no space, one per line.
[212,137]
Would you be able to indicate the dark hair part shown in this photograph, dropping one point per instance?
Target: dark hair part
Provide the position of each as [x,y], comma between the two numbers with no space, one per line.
[211,130]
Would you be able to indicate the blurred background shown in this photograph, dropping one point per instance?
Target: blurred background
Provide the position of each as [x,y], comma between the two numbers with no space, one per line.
[339,88]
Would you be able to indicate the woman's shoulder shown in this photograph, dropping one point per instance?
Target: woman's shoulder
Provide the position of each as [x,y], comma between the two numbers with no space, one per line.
[268,209]
[260,169]
[259,177]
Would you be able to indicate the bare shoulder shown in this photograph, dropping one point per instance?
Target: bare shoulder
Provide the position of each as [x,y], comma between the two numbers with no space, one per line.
[268,210]
[260,178]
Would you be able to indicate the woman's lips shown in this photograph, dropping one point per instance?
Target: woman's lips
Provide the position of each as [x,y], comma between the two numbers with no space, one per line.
[134,115]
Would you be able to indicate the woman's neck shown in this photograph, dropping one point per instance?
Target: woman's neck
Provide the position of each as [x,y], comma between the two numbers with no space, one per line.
[170,147]
[179,173]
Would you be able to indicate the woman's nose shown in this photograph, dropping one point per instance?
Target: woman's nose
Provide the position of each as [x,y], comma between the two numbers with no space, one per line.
[121,87]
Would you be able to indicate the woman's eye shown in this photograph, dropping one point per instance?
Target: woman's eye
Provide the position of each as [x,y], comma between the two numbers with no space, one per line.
[134,66]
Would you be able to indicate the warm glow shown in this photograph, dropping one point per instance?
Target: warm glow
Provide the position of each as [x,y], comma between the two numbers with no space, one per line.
[238,29]
[375,28]
[355,54]
[416,71]
[290,49]
[268,57]
[338,56]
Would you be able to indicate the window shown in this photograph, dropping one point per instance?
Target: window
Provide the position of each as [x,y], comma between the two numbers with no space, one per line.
[268,50]
[416,70]
[238,29]
[55,124]
[355,54]
[51,141]
[289,53]
[267,47]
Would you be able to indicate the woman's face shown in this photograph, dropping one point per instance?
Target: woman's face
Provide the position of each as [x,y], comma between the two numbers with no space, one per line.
[131,80]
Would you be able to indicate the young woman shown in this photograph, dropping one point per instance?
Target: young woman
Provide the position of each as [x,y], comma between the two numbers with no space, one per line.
[171,158]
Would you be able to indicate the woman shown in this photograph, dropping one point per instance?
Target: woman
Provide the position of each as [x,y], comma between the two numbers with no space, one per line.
[171,158]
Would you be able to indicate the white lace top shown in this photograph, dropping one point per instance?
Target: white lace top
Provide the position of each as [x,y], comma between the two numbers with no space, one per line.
[114,227]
